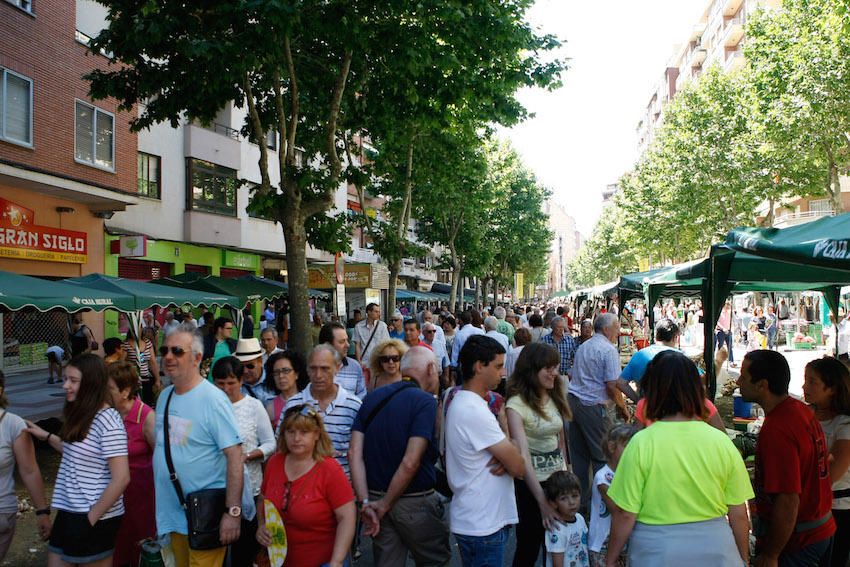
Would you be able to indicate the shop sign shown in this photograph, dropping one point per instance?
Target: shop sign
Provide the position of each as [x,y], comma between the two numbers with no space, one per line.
[323,276]
[244,260]
[373,296]
[340,300]
[133,246]
[21,238]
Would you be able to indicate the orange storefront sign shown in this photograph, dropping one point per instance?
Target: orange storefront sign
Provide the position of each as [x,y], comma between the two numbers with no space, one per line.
[21,238]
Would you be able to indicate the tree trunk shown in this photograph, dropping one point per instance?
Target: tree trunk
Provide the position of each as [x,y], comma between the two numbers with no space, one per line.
[477,292]
[295,237]
[455,280]
[771,213]
[835,193]
[395,268]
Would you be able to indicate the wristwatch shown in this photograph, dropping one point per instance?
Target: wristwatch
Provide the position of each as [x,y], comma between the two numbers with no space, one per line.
[235,511]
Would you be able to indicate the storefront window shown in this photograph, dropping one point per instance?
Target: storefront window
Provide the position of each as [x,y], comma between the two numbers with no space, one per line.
[213,187]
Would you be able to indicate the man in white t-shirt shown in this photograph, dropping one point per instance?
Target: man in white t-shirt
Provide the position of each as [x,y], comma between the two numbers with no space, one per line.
[478,456]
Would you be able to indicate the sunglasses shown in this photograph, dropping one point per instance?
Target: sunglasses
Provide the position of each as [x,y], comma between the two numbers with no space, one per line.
[304,409]
[249,365]
[429,331]
[391,358]
[175,350]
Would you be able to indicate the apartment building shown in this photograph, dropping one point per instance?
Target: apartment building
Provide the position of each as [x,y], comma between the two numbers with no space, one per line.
[717,38]
[566,241]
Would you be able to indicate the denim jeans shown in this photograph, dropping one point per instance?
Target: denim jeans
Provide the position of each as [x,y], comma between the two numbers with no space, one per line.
[809,556]
[483,551]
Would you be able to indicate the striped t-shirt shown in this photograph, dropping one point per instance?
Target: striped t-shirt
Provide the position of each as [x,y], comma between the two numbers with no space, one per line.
[338,416]
[84,471]
[141,358]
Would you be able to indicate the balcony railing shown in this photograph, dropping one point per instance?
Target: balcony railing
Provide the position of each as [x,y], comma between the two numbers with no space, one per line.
[792,219]
[231,133]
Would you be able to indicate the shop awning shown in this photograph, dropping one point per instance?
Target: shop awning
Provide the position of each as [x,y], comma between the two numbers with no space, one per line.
[245,290]
[20,292]
[145,295]
[311,293]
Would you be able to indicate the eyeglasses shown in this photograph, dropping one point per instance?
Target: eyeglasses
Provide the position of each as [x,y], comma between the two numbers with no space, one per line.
[429,331]
[282,372]
[391,358]
[175,350]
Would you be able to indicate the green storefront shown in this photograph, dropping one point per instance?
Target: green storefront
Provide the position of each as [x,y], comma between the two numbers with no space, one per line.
[141,258]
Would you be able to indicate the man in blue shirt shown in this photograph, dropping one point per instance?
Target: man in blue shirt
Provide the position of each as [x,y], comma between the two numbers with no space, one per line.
[392,456]
[666,338]
[564,342]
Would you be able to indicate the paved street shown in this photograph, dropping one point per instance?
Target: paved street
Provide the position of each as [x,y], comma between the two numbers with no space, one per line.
[31,397]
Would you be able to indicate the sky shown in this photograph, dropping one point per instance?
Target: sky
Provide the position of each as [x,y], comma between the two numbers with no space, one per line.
[583,136]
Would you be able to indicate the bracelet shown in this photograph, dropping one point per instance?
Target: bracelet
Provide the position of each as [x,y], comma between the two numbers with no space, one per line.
[43,511]
[47,439]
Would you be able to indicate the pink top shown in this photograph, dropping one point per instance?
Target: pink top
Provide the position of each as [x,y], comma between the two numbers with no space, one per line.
[278,406]
[724,323]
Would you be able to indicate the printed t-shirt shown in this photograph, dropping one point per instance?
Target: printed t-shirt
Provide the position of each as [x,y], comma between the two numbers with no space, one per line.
[11,428]
[680,472]
[222,349]
[569,538]
[309,516]
[600,516]
[792,458]
[640,411]
[542,435]
[636,367]
[84,471]
[837,429]
[410,413]
[201,425]
[483,503]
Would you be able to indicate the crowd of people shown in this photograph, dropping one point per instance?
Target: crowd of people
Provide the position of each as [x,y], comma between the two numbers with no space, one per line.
[435,428]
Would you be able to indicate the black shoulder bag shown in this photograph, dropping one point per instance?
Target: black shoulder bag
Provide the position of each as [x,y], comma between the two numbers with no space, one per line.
[204,508]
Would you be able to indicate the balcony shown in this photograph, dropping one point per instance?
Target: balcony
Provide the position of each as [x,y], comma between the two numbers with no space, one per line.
[363,256]
[793,219]
[734,59]
[696,56]
[697,31]
[217,144]
[209,228]
[734,31]
[731,7]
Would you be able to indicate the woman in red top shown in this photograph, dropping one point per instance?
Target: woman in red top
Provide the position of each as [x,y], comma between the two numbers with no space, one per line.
[139,522]
[311,493]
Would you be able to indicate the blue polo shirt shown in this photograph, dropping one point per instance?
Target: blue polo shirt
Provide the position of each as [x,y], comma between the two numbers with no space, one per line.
[410,413]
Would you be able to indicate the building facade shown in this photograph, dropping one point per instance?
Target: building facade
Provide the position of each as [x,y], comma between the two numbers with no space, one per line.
[566,241]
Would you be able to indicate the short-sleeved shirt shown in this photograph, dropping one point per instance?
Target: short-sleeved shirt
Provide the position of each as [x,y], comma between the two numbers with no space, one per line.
[680,472]
[542,435]
[506,329]
[363,336]
[792,458]
[142,358]
[500,338]
[597,363]
[567,348]
[483,503]
[838,429]
[201,425]
[84,471]
[640,411]
[11,427]
[569,538]
[460,339]
[410,413]
[338,416]
[600,515]
[309,516]
[350,377]
[636,367]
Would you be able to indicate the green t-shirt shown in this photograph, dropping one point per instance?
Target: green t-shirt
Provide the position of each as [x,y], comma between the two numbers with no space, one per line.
[680,472]
[222,349]
[506,329]
[542,435]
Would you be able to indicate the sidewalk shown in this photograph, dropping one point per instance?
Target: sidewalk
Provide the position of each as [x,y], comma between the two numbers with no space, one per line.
[31,397]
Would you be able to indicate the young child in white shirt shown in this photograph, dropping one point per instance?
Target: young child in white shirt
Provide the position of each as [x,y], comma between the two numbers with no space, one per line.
[566,541]
[613,445]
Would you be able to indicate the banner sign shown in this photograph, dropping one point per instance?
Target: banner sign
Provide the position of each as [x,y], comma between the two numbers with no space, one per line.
[21,238]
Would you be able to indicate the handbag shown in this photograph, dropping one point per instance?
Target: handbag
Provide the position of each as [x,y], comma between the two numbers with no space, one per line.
[204,508]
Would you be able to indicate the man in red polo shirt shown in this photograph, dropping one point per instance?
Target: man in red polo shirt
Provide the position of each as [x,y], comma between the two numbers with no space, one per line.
[792,518]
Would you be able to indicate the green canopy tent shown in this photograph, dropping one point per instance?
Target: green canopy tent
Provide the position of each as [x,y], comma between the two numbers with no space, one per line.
[311,293]
[631,285]
[21,292]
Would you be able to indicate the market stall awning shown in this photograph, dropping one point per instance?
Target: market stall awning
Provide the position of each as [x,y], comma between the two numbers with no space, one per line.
[824,242]
[245,290]
[20,292]
[311,293]
[145,295]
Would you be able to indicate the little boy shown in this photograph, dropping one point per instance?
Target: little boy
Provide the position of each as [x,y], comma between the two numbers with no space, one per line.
[566,542]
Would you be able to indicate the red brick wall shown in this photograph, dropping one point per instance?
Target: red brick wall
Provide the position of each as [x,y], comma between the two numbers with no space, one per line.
[43,47]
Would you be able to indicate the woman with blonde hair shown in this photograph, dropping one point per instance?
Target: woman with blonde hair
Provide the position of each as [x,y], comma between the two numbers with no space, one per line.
[311,492]
[385,367]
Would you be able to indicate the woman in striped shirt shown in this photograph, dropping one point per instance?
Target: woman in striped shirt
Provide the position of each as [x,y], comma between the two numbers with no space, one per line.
[93,472]
[141,353]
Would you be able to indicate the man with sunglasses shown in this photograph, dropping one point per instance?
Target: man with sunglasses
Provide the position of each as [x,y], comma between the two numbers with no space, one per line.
[250,354]
[429,337]
[205,448]
[393,453]
[337,405]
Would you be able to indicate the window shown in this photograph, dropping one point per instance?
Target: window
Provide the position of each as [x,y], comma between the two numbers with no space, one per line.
[94,136]
[147,176]
[213,187]
[24,5]
[15,108]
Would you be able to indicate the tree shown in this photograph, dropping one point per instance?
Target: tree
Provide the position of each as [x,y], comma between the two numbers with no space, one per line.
[800,61]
